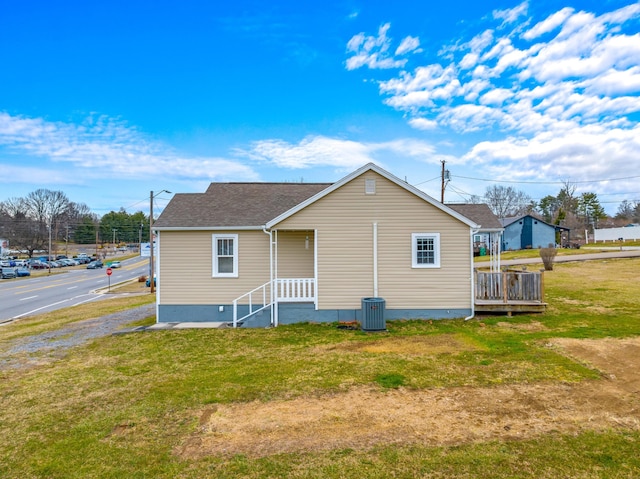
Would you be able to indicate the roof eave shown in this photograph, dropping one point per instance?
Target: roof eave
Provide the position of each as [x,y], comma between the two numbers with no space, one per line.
[208,228]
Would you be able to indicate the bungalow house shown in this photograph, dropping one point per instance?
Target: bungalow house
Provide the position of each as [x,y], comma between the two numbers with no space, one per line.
[528,231]
[259,254]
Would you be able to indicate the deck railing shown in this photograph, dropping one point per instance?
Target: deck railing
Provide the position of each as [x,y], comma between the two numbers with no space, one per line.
[508,286]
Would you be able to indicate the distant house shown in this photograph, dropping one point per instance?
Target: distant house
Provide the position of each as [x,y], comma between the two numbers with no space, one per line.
[487,239]
[259,254]
[528,231]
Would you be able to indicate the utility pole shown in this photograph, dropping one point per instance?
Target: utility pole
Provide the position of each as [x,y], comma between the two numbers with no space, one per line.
[446,176]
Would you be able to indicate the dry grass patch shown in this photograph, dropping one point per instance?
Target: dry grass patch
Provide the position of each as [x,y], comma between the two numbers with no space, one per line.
[533,326]
[365,417]
[410,346]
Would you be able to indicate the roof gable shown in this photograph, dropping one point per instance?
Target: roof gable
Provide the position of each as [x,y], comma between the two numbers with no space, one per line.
[381,172]
[509,221]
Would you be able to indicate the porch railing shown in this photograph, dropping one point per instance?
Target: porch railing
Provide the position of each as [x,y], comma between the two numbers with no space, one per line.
[287,290]
[509,286]
[295,290]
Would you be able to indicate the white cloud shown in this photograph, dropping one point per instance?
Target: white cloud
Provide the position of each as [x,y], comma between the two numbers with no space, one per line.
[587,56]
[560,99]
[496,97]
[316,151]
[578,155]
[373,52]
[549,24]
[511,15]
[409,44]
[423,124]
[107,148]
[614,82]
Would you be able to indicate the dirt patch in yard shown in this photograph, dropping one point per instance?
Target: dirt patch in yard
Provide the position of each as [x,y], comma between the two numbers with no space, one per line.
[364,417]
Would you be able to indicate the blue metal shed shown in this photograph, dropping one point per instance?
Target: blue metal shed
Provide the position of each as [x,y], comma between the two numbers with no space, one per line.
[528,231]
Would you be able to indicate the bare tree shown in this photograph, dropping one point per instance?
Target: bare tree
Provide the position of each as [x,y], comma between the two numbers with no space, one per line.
[507,201]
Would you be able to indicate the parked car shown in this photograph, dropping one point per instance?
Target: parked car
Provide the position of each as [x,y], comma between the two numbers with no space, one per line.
[7,273]
[20,272]
[115,264]
[39,265]
[95,264]
[149,281]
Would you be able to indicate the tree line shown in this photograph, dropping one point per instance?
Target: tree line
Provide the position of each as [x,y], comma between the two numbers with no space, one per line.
[30,222]
[579,212]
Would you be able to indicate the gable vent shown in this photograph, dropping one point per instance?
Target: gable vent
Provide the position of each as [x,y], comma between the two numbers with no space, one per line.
[370,186]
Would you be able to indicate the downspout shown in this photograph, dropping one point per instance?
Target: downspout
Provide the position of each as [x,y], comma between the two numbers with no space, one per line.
[472,232]
[375,260]
[268,232]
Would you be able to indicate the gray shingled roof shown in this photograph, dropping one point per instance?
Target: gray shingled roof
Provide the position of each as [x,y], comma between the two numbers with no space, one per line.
[479,213]
[235,204]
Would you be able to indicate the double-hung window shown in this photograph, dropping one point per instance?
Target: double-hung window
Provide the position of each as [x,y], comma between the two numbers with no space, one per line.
[425,250]
[225,256]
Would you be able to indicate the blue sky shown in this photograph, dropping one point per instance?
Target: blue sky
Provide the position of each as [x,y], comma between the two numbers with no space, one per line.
[107,101]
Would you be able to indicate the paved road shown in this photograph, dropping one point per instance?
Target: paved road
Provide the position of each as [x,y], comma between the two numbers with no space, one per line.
[28,296]
[627,253]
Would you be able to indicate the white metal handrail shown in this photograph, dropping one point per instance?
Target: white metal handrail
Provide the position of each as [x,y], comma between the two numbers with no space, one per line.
[287,290]
[265,305]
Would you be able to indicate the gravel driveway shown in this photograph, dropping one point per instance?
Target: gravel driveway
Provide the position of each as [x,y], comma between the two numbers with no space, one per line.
[33,350]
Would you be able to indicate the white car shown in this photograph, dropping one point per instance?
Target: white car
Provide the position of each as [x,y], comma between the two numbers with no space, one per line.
[115,264]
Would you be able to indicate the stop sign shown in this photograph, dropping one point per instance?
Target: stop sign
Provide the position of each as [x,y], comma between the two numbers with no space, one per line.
[109,271]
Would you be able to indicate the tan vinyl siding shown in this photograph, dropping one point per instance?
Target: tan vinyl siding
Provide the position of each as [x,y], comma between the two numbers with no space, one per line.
[344,222]
[186,266]
[295,260]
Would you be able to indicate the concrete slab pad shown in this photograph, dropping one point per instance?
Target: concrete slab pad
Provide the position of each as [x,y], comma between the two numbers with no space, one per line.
[205,325]
[162,326]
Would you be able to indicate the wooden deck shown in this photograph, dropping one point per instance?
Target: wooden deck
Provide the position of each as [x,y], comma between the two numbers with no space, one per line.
[510,292]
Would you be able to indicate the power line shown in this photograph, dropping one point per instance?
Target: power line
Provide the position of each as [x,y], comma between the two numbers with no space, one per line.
[427,181]
[546,182]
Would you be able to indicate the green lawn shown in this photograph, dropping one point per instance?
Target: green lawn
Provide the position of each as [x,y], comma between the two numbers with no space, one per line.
[119,406]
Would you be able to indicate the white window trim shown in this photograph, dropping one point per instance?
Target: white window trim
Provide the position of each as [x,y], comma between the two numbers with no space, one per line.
[370,186]
[214,248]
[414,250]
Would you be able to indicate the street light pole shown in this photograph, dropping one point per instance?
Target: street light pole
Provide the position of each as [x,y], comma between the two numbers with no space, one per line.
[151,265]
[151,242]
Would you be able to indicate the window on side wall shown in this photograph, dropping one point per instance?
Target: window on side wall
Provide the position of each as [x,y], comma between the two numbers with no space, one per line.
[425,250]
[225,256]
